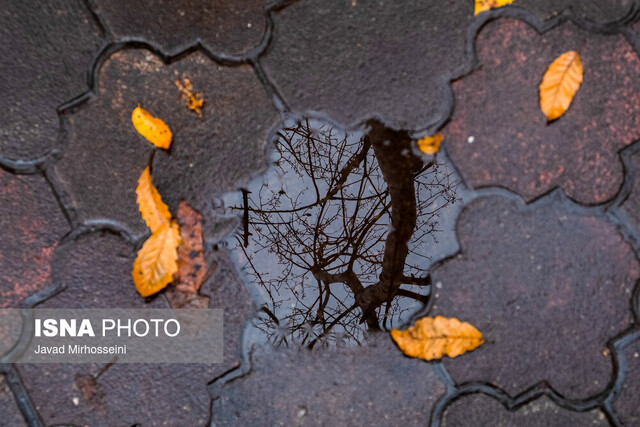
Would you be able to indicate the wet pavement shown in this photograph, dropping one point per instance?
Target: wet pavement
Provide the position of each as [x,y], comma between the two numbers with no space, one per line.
[324,225]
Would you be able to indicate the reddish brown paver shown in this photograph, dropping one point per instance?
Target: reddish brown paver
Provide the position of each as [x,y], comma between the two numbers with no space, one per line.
[45,56]
[625,404]
[547,285]
[227,27]
[104,154]
[32,224]
[479,410]
[354,60]
[11,416]
[96,270]
[499,137]
[360,386]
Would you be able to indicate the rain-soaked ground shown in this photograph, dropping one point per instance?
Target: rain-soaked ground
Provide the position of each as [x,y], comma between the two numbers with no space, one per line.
[324,224]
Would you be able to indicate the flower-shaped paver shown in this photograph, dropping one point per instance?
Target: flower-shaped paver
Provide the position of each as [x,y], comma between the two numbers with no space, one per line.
[105,155]
[481,410]
[547,284]
[227,26]
[629,204]
[499,137]
[599,11]
[45,55]
[625,404]
[32,224]
[354,60]
[96,268]
[11,415]
[369,385]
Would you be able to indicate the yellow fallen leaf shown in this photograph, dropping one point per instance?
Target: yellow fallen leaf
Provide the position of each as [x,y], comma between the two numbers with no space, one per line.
[559,84]
[155,130]
[484,5]
[156,262]
[430,144]
[193,100]
[153,210]
[434,337]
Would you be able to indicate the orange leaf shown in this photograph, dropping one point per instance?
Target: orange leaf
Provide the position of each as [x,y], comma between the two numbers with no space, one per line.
[559,84]
[193,100]
[434,337]
[155,130]
[430,144]
[484,5]
[154,212]
[156,262]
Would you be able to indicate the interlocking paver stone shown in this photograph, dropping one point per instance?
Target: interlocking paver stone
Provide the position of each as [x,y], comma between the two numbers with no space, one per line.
[229,27]
[360,386]
[547,285]
[11,415]
[32,224]
[45,56]
[105,155]
[358,60]
[479,410]
[96,270]
[598,11]
[625,404]
[497,110]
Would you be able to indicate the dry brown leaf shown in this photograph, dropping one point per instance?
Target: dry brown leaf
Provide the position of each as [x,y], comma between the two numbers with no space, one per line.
[484,5]
[430,144]
[560,83]
[435,337]
[191,264]
[152,128]
[193,100]
[156,262]
[153,210]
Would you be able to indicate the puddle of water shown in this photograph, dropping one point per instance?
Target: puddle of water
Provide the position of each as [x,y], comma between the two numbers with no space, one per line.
[337,237]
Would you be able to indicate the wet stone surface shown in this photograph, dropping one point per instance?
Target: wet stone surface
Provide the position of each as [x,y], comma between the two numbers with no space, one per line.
[359,386]
[319,243]
[499,137]
[32,224]
[96,270]
[208,156]
[480,410]
[598,11]
[349,59]
[11,415]
[45,56]
[625,404]
[547,285]
[229,27]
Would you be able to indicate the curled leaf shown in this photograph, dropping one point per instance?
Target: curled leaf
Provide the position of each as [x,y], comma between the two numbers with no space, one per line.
[156,262]
[152,128]
[560,83]
[193,100]
[430,144]
[435,337]
[153,210]
[484,5]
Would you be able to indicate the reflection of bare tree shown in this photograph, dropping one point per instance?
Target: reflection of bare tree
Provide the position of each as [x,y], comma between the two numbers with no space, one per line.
[335,242]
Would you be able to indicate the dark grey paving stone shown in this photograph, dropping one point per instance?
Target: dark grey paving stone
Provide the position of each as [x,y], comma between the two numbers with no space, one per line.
[547,284]
[360,386]
[11,416]
[45,56]
[353,60]
[597,11]
[478,410]
[97,272]
[626,404]
[105,155]
[32,224]
[226,26]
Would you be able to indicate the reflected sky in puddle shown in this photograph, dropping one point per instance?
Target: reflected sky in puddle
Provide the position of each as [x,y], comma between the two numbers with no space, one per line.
[338,235]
